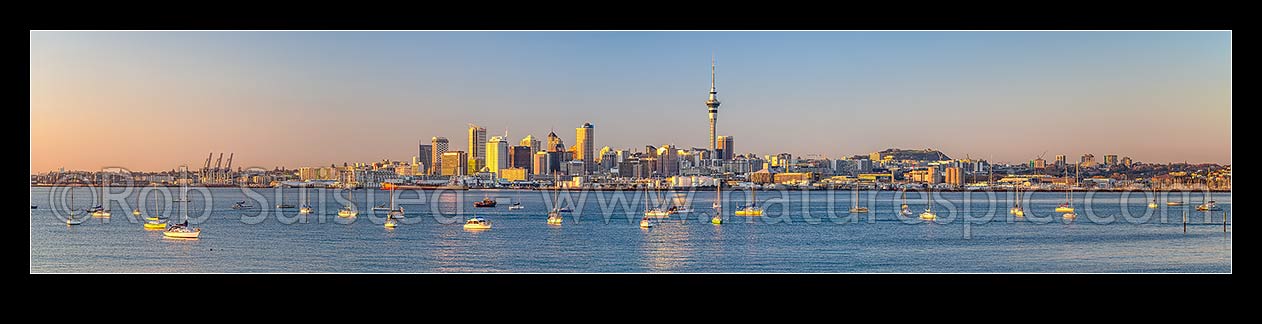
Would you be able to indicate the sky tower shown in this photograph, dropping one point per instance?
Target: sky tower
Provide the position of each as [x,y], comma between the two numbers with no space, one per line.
[713,105]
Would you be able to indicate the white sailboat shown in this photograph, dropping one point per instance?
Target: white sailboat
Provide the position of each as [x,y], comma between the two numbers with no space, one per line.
[856,209]
[102,210]
[1152,183]
[152,223]
[182,230]
[1067,208]
[928,214]
[554,215]
[718,205]
[752,208]
[349,210]
[1208,205]
[905,210]
[306,207]
[70,220]
[1016,207]
[1067,205]
[653,212]
[396,212]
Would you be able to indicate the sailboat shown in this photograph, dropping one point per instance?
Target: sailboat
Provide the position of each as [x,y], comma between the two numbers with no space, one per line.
[1152,184]
[1016,207]
[182,230]
[1067,206]
[395,211]
[928,214]
[905,210]
[752,208]
[718,205]
[856,208]
[101,211]
[306,208]
[554,216]
[349,210]
[653,212]
[1208,205]
[136,211]
[70,218]
[152,223]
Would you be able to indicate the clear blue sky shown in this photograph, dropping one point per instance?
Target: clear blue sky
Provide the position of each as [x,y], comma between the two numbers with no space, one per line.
[152,100]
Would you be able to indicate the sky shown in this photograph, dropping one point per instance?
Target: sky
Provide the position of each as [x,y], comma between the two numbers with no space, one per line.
[153,100]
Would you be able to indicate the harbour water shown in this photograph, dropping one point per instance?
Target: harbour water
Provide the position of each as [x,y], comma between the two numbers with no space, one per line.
[802,231]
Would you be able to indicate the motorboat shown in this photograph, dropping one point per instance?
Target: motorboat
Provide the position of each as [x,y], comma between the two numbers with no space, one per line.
[241,205]
[516,206]
[304,210]
[646,222]
[477,223]
[486,202]
[284,206]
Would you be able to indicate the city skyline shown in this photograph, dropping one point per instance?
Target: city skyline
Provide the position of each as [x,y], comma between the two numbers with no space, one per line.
[104,98]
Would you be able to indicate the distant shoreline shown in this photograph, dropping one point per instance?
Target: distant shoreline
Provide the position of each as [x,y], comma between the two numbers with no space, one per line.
[640,189]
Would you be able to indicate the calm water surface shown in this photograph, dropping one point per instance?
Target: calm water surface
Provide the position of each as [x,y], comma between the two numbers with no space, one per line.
[813,232]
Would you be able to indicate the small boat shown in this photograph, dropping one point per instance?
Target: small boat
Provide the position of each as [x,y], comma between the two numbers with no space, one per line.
[752,209]
[1067,206]
[304,210]
[241,205]
[1174,203]
[928,214]
[391,223]
[718,207]
[554,218]
[1016,209]
[516,206]
[394,213]
[101,213]
[182,230]
[681,210]
[486,202]
[1208,206]
[565,209]
[284,206]
[381,207]
[906,212]
[646,222]
[347,211]
[154,224]
[70,218]
[656,213]
[477,223]
[856,209]
[1069,216]
[34,207]
[135,212]
[1152,204]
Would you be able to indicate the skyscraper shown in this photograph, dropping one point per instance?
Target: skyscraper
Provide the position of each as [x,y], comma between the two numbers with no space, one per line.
[1088,160]
[425,156]
[1060,161]
[554,143]
[531,142]
[520,157]
[497,155]
[540,165]
[725,150]
[713,105]
[454,163]
[477,148]
[1110,160]
[585,150]
[439,146]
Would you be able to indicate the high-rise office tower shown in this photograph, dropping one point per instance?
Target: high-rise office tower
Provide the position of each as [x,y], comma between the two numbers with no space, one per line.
[455,163]
[1110,159]
[725,150]
[713,105]
[540,165]
[531,142]
[477,148]
[585,150]
[439,146]
[496,155]
[1060,161]
[554,143]
[520,156]
[425,156]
